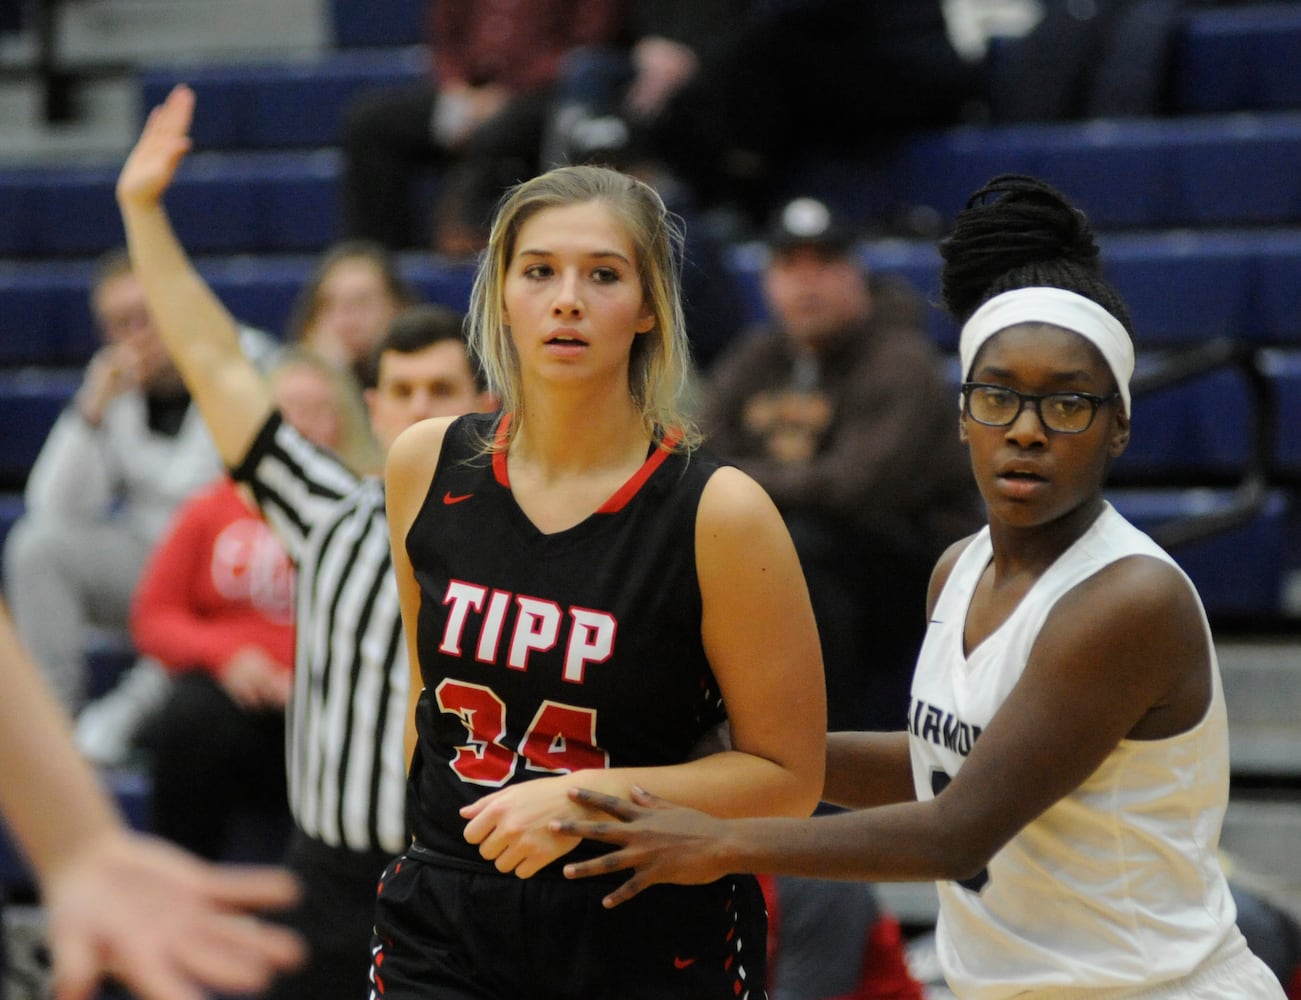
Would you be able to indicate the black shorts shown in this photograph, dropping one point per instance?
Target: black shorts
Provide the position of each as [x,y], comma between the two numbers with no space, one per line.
[335,917]
[450,932]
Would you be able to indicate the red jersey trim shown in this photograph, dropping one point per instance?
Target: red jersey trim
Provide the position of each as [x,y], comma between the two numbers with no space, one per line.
[499,454]
[622,496]
[628,490]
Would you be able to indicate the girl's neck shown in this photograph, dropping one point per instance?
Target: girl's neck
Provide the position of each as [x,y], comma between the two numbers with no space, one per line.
[1032,550]
[559,435]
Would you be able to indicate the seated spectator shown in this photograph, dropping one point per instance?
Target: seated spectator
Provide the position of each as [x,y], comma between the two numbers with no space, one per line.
[480,117]
[347,303]
[838,408]
[215,607]
[116,465]
[730,98]
[606,92]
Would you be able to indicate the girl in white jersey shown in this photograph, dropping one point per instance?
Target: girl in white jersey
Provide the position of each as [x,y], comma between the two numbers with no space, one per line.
[1064,775]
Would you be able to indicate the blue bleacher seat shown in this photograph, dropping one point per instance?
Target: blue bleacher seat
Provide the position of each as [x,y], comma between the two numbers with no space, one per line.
[1236,171]
[1276,292]
[258,290]
[11,509]
[1126,174]
[1284,370]
[76,212]
[297,202]
[281,105]
[446,283]
[393,22]
[1239,572]
[1199,430]
[45,316]
[1114,170]
[1238,58]
[1182,287]
[30,401]
[18,209]
[271,201]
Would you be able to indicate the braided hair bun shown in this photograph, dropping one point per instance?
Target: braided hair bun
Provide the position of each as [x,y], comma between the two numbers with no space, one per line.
[1018,232]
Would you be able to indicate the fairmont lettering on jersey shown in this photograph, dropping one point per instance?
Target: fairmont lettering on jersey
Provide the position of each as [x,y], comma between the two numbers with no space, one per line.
[527,625]
[942,728]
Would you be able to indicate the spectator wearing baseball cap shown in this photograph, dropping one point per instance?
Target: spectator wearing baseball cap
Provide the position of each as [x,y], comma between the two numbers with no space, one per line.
[837,406]
[808,222]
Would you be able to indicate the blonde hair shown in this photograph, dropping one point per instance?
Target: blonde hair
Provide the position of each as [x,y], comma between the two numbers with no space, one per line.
[660,363]
[357,447]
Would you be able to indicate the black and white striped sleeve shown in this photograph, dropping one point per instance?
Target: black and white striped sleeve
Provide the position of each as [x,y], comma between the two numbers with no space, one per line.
[297,485]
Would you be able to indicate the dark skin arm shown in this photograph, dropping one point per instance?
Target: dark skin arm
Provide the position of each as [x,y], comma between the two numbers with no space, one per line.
[867,769]
[1124,654]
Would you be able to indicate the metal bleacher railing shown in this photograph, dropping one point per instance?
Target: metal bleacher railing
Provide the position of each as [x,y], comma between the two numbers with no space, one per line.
[58,78]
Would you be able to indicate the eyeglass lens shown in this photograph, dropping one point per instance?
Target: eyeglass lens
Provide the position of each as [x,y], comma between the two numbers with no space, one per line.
[1065,412]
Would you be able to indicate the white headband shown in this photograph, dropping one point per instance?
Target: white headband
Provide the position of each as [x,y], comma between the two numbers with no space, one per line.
[1060,308]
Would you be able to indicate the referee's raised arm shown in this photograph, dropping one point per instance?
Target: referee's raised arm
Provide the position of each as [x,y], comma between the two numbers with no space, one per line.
[200,335]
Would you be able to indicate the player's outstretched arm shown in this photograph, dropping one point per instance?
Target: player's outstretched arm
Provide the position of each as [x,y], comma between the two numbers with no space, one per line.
[121,904]
[200,334]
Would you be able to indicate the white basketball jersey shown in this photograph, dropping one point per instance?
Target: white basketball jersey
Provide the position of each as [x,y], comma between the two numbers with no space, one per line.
[1115,885]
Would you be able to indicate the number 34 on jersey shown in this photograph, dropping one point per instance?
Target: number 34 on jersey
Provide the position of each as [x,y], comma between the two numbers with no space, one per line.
[561,738]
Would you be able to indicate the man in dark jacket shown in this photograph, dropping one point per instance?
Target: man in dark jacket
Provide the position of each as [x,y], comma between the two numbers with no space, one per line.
[838,407]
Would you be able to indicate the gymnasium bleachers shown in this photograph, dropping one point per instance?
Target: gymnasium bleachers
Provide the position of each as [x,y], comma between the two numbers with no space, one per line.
[1199,213]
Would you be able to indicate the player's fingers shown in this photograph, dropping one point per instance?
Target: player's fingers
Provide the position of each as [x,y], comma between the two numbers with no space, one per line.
[252,887]
[603,864]
[75,971]
[477,830]
[243,956]
[504,860]
[156,982]
[257,947]
[618,808]
[178,108]
[473,809]
[648,800]
[626,891]
[603,830]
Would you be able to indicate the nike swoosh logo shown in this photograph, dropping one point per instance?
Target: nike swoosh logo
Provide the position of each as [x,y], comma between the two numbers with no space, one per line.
[449,498]
[683,963]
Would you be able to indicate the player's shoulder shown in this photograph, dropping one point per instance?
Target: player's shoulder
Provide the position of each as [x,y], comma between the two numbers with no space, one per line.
[735,509]
[943,569]
[414,454]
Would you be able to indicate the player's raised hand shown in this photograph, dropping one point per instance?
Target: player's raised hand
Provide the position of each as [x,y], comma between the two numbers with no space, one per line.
[660,841]
[162,145]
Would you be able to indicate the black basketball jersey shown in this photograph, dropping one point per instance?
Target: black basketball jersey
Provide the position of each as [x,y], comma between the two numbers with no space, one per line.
[547,653]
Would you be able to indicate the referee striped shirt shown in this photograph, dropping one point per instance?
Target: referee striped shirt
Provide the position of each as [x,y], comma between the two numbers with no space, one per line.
[344,738]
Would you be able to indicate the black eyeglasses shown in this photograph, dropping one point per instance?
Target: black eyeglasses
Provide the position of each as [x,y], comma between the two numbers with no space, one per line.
[1061,412]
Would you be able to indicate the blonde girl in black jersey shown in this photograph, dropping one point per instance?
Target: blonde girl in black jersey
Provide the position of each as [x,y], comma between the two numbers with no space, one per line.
[581,585]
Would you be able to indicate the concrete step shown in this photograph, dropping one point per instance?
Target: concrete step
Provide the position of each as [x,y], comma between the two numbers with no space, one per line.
[1262,689]
[1260,839]
[139,31]
[105,121]
[103,43]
